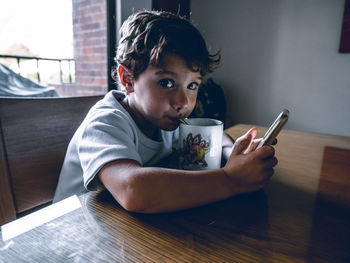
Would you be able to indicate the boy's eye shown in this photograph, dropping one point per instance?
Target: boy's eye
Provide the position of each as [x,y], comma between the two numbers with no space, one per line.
[166,83]
[193,86]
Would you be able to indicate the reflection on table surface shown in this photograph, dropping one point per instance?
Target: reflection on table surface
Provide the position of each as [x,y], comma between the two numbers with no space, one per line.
[303,215]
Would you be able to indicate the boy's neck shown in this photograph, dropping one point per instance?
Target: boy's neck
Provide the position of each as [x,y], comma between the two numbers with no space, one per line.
[147,128]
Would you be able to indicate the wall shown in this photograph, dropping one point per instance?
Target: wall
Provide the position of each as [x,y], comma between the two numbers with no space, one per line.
[131,6]
[280,54]
[90,49]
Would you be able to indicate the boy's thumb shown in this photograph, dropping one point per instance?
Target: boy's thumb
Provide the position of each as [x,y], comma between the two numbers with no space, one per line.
[244,142]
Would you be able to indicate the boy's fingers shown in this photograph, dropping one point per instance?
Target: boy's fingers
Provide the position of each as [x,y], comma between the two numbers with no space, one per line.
[269,163]
[265,152]
[253,132]
[254,144]
[244,142]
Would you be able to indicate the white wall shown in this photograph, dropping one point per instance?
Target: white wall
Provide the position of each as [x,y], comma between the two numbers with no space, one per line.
[280,54]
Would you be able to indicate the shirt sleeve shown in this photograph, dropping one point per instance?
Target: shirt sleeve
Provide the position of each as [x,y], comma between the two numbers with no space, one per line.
[106,137]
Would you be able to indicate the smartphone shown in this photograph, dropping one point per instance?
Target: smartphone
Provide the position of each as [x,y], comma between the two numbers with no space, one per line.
[274,129]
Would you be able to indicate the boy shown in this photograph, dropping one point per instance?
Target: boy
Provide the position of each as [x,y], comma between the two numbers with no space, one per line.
[161,61]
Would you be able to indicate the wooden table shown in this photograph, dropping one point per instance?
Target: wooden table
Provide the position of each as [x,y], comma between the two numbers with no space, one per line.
[303,215]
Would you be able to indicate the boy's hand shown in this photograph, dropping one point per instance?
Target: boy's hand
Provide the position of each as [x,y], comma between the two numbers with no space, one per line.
[249,170]
[254,142]
[247,141]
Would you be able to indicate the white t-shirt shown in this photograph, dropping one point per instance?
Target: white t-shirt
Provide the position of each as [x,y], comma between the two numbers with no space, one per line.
[107,133]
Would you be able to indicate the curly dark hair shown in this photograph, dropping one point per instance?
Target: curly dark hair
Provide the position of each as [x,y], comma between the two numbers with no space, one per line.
[147,35]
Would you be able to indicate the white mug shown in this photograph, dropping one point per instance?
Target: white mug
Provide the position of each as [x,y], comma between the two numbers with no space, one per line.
[200,144]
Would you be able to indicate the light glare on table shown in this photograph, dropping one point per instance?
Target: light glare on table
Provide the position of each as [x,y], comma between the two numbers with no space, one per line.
[38,218]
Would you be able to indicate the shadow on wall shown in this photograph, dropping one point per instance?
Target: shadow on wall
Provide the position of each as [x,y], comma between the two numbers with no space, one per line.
[211,102]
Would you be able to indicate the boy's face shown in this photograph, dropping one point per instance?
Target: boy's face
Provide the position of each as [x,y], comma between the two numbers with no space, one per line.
[161,95]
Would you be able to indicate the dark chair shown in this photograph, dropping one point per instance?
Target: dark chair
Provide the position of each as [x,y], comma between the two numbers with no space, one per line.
[34,135]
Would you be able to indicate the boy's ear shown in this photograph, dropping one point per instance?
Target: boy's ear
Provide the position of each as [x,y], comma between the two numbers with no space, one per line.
[126,78]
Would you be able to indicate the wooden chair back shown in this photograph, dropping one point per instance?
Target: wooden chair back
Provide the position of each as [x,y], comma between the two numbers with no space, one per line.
[34,135]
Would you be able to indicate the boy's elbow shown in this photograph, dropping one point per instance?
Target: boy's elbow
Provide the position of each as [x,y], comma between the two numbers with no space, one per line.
[132,204]
[132,195]
[135,205]
[132,200]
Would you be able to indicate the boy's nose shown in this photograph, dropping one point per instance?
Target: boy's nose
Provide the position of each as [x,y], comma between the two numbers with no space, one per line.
[180,100]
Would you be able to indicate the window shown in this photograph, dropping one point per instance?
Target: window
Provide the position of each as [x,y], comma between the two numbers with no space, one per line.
[68,44]
[59,43]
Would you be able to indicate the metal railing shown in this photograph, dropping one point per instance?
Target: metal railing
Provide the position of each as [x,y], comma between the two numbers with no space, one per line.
[19,58]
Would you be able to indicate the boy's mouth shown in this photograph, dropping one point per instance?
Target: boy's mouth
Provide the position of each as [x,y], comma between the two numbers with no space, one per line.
[175,119]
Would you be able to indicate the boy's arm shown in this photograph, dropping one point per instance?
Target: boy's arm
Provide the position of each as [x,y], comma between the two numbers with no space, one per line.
[153,190]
